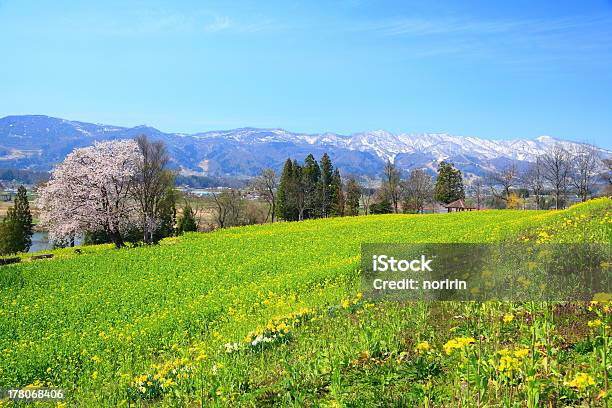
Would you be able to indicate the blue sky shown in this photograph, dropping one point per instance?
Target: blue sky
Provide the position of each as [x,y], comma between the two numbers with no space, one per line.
[492,69]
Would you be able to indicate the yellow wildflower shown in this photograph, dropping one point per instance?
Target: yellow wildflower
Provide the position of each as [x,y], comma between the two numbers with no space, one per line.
[508,364]
[521,353]
[581,381]
[423,347]
[458,343]
[594,323]
[508,317]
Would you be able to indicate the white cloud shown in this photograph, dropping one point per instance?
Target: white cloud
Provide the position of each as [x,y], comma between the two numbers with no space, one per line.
[218,24]
[147,22]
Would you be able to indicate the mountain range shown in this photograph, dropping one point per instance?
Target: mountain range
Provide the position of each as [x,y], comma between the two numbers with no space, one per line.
[38,142]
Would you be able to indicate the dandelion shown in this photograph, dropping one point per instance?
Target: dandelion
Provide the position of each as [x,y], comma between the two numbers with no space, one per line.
[508,317]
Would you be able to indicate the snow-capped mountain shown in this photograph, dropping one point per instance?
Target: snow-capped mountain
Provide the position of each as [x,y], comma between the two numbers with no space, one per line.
[39,142]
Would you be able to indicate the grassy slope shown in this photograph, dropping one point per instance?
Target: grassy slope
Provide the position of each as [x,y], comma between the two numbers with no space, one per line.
[131,307]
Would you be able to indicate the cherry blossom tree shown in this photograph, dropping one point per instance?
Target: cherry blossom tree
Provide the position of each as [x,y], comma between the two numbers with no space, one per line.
[90,191]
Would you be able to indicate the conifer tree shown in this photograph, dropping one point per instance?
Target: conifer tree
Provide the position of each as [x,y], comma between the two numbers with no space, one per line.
[337,195]
[327,170]
[16,229]
[187,221]
[286,193]
[449,184]
[298,191]
[310,177]
[167,217]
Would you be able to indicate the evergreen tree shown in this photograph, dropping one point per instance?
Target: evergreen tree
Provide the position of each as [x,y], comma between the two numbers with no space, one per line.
[187,221]
[327,170]
[337,195]
[384,206]
[449,184]
[285,196]
[298,191]
[311,174]
[16,229]
[167,216]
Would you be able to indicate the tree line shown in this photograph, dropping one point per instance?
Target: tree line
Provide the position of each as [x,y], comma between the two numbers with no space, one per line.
[123,191]
[556,174]
[316,190]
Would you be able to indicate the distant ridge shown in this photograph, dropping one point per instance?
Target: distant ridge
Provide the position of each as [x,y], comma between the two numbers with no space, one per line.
[39,142]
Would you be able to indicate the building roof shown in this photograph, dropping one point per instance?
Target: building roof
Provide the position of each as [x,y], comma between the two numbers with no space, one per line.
[458,204]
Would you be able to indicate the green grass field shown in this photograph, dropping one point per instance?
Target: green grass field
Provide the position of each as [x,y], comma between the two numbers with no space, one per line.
[172,324]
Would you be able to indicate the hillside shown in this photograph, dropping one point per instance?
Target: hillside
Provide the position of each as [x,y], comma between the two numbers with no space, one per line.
[160,323]
[38,142]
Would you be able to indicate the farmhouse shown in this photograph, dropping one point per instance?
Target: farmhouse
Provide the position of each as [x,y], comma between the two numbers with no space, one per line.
[458,205]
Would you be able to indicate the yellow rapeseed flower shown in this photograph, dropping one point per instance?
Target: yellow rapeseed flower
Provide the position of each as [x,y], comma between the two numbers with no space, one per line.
[581,381]
[423,347]
[458,343]
[521,353]
[509,364]
[594,323]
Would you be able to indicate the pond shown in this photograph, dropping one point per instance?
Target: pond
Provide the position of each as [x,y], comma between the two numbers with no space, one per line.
[40,241]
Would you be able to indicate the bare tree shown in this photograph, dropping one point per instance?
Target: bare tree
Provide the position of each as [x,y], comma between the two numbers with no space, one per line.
[417,189]
[366,198]
[503,181]
[477,190]
[585,162]
[353,196]
[534,180]
[391,184]
[556,171]
[152,183]
[230,208]
[265,186]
